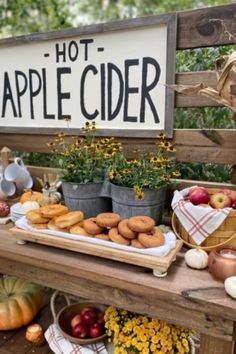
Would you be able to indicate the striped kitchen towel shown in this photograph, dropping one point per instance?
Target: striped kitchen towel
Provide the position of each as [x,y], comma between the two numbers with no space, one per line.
[198,221]
[60,345]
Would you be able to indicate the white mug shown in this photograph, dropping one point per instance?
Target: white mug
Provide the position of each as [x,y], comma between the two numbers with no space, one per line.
[27,184]
[7,189]
[17,172]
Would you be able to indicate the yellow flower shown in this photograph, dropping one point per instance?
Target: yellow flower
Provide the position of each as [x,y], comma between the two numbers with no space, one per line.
[112,174]
[139,195]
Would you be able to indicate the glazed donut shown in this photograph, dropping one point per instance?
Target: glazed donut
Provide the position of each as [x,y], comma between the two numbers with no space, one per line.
[136,243]
[35,217]
[141,223]
[90,225]
[52,226]
[125,231]
[154,238]
[41,226]
[117,238]
[108,219]
[53,210]
[104,237]
[69,219]
[77,229]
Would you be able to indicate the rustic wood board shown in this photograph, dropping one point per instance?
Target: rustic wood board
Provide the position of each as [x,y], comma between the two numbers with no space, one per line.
[159,265]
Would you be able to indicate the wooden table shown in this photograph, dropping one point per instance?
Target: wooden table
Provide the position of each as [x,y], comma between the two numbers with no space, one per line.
[186,297]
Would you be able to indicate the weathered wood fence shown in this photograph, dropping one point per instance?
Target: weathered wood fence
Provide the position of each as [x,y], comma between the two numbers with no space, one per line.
[213,26]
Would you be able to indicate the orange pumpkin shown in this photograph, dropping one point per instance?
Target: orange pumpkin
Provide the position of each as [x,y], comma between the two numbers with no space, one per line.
[19,302]
[30,196]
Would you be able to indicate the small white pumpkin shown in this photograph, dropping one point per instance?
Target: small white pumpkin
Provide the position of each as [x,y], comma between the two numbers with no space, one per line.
[29,205]
[230,286]
[196,258]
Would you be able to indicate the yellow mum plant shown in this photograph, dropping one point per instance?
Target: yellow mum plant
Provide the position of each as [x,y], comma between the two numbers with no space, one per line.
[138,334]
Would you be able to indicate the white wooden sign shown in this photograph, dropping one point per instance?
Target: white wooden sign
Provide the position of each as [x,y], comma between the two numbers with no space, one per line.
[114,74]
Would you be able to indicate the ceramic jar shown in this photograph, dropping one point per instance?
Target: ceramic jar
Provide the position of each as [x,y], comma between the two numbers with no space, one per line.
[222,262]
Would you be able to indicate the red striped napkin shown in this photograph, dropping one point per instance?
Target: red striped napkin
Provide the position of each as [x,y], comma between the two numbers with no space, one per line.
[60,345]
[199,222]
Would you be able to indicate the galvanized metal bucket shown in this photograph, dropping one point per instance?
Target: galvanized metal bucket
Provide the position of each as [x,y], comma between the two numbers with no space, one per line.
[124,203]
[86,197]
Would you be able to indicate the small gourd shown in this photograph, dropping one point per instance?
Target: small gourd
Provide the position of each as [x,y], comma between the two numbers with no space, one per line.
[230,286]
[30,195]
[48,198]
[196,258]
[29,205]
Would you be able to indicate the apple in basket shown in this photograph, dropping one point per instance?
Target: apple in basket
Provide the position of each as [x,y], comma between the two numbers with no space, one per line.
[80,330]
[89,323]
[230,193]
[220,200]
[96,330]
[198,195]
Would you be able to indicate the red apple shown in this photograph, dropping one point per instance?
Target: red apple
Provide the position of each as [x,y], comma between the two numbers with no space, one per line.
[230,193]
[76,320]
[96,330]
[87,309]
[80,330]
[220,200]
[89,317]
[100,317]
[199,195]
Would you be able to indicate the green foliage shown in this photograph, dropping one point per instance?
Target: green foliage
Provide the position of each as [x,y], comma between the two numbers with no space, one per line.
[205,172]
[103,10]
[26,16]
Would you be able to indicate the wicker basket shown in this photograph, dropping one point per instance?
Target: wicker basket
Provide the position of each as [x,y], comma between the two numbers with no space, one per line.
[224,235]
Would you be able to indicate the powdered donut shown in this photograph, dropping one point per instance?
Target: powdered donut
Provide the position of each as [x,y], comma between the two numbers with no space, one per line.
[90,225]
[125,230]
[53,210]
[154,238]
[141,223]
[117,238]
[79,230]
[69,219]
[135,243]
[108,219]
[103,237]
[35,217]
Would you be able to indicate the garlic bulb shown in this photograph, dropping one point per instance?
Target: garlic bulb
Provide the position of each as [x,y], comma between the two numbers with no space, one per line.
[196,258]
[230,286]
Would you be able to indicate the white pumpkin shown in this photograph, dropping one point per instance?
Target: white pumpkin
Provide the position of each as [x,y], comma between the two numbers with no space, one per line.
[29,205]
[230,286]
[196,258]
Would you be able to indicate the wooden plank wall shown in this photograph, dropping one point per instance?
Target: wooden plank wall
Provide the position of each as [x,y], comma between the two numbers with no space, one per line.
[197,28]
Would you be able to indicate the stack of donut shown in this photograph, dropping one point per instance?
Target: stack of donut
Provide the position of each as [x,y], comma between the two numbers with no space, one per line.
[54,217]
[137,231]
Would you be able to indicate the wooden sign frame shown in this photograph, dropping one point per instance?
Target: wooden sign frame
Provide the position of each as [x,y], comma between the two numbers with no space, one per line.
[146,27]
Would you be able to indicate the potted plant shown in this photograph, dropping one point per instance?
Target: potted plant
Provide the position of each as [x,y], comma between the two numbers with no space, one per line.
[138,186]
[84,161]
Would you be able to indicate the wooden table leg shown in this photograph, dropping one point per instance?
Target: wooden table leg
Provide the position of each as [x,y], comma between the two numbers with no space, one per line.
[211,345]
